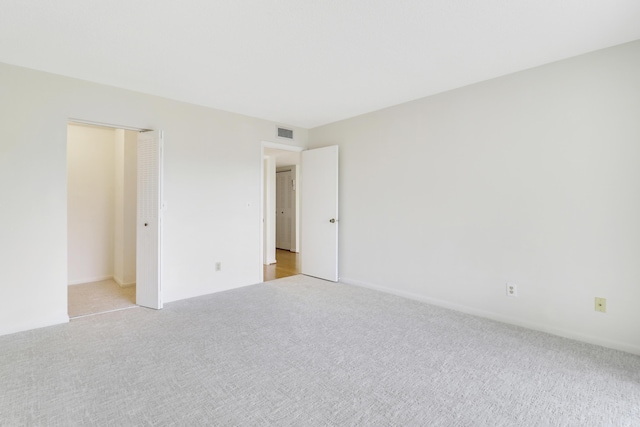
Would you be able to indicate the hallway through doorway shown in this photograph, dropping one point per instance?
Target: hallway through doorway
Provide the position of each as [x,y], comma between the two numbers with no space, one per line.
[287,264]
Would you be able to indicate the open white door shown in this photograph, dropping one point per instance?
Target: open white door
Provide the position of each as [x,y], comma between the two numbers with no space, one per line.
[148,289]
[319,211]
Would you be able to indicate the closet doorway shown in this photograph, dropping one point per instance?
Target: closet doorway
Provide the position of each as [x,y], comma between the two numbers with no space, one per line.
[101,222]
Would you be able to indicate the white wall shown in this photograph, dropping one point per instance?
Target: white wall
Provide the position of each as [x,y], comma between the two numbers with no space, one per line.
[296,242]
[269,239]
[126,143]
[91,177]
[532,178]
[211,188]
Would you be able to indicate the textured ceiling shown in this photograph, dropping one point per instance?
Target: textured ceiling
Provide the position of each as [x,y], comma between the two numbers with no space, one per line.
[304,62]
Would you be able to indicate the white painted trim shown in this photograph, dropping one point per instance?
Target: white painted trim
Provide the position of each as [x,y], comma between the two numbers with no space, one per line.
[105,125]
[616,345]
[89,280]
[35,324]
[261,216]
[122,284]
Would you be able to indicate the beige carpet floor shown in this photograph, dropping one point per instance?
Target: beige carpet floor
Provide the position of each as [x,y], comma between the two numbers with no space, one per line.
[99,297]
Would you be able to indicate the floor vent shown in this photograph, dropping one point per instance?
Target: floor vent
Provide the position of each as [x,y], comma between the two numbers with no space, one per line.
[285,133]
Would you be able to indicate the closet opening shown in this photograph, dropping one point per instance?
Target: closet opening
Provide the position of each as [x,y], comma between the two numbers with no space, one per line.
[101,218]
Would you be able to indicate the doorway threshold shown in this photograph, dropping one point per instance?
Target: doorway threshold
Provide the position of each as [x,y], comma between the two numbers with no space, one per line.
[102,312]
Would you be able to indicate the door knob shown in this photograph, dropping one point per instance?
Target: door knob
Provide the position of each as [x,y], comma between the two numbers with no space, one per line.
[332,220]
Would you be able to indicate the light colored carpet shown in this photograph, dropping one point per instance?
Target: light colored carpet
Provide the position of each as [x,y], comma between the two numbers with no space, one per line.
[303,352]
[98,297]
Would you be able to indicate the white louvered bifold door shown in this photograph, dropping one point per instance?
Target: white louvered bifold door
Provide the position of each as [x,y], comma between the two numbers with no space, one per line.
[148,278]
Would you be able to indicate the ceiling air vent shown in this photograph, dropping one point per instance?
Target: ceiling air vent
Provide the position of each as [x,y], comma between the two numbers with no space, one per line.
[285,133]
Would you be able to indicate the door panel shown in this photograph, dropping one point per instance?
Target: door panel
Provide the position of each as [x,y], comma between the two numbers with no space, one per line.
[319,210]
[148,278]
[284,208]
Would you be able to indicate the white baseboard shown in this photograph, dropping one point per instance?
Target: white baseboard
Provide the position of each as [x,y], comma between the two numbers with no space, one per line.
[123,284]
[89,280]
[270,261]
[616,345]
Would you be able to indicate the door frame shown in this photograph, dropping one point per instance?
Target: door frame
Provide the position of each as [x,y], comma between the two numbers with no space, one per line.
[160,177]
[277,146]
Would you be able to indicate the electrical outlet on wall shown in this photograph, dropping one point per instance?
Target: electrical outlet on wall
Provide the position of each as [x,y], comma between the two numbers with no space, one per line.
[512,289]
